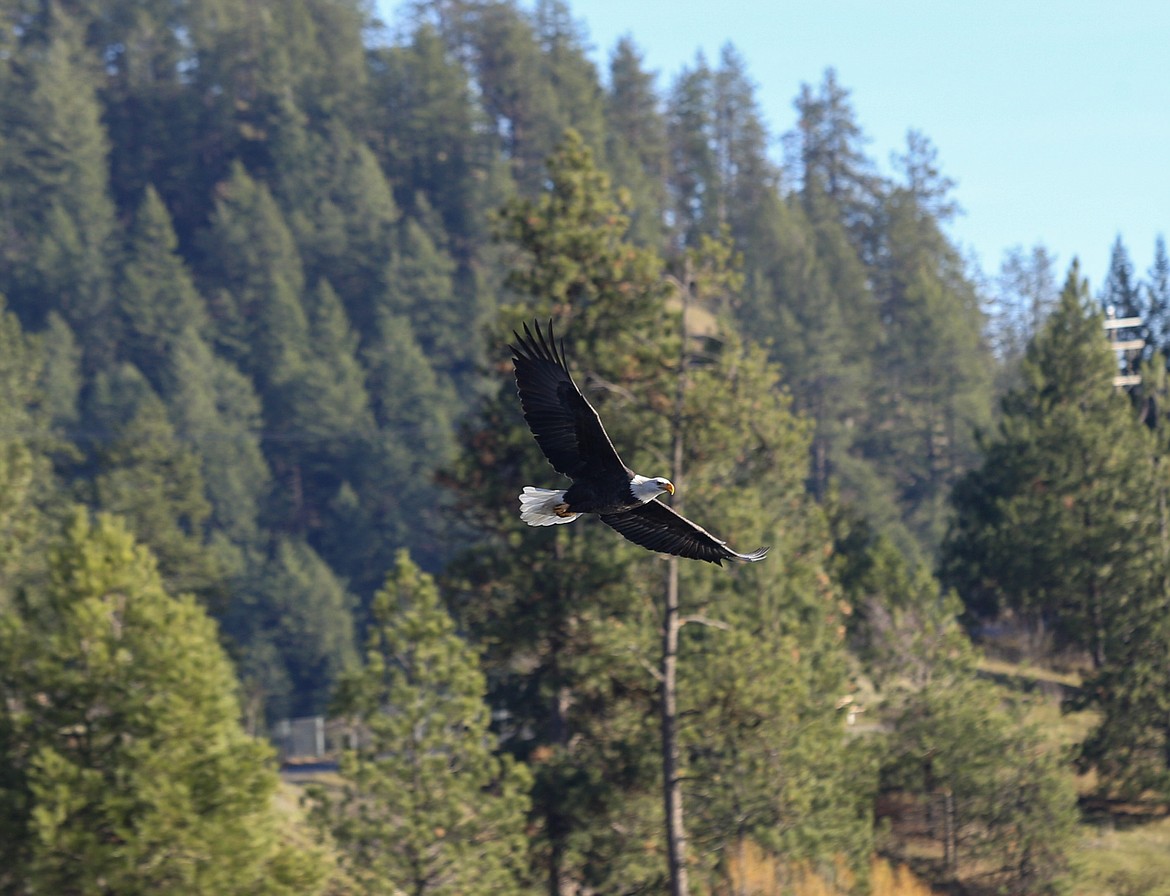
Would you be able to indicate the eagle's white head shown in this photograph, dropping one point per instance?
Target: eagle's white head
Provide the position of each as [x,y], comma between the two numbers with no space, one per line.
[645,489]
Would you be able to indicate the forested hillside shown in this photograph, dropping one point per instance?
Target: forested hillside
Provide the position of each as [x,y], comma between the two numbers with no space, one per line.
[259,265]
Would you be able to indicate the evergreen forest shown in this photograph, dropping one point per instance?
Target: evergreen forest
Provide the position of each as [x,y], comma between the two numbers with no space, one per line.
[260,452]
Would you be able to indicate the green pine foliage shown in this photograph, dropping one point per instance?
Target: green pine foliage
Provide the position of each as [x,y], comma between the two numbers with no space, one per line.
[565,639]
[216,410]
[1056,525]
[425,805]
[1130,747]
[254,281]
[290,622]
[636,148]
[156,299]
[340,206]
[997,795]
[582,632]
[27,486]
[60,231]
[832,165]
[431,137]
[425,292]
[1121,295]
[902,626]
[763,671]
[137,467]
[126,769]
[931,385]
[394,489]
[1157,300]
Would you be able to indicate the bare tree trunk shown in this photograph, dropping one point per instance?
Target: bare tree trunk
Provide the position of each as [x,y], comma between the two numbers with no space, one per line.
[560,882]
[950,835]
[676,836]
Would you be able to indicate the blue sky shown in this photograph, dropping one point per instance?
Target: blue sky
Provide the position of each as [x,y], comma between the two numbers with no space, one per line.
[1053,117]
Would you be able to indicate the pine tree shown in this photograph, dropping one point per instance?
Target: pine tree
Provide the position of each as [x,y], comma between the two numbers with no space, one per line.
[761,656]
[26,483]
[432,138]
[829,160]
[636,147]
[923,178]
[327,65]
[137,468]
[156,298]
[291,624]
[741,142]
[1026,291]
[830,353]
[904,628]
[254,281]
[215,408]
[931,391]
[60,380]
[1157,300]
[564,623]
[834,306]
[721,176]
[1129,748]
[318,416]
[575,254]
[1056,522]
[997,796]
[164,324]
[125,768]
[990,789]
[502,48]
[424,291]
[577,621]
[145,103]
[266,66]
[426,806]
[1121,295]
[695,189]
[566,66]
[341,209]
[392,498]
[257,300]
[58,241]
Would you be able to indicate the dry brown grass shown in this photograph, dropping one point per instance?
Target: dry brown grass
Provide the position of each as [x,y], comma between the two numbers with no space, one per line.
[755,872]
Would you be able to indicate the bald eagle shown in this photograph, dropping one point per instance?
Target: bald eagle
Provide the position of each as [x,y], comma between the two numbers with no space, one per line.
[570,434]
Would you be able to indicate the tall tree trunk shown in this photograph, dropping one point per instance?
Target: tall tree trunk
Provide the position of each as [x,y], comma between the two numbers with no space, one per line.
[676,837]
[950,836]
[560,882]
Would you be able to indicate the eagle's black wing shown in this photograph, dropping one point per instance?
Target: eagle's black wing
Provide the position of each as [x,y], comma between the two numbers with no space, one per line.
[655,526]
[566,427]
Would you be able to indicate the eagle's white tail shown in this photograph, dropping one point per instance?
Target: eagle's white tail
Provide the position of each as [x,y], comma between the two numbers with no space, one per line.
[538,507]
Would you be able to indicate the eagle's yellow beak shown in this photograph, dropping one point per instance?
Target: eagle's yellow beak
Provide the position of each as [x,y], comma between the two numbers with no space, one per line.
[669,486]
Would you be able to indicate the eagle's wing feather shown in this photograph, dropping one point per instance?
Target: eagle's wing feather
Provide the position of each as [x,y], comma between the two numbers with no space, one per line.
[655,526]
[566,426]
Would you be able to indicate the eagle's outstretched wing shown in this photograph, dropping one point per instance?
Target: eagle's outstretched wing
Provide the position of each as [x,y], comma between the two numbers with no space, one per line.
[566,427]
[655,526]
